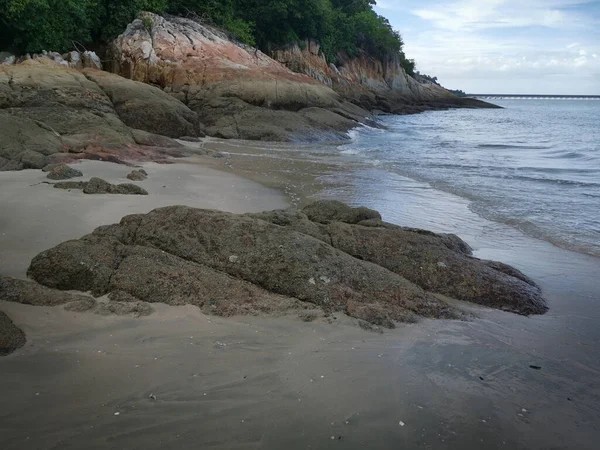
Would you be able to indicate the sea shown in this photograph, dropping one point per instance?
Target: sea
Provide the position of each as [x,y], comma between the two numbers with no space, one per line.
[533,166]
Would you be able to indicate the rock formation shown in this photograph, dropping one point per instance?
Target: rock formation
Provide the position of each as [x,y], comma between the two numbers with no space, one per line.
[50,113]
[237,91]
[330,257]
[11,336]
[137,175]
[61,172]
[100,186]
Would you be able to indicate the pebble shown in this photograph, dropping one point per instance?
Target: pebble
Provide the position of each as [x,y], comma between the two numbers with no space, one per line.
[117,413]
[401,423]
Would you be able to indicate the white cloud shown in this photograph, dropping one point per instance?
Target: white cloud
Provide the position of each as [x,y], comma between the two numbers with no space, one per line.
[502,45]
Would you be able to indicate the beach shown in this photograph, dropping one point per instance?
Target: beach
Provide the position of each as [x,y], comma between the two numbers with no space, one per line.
[182,379]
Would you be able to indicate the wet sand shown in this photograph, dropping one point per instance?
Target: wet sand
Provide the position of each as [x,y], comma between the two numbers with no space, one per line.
[264,382]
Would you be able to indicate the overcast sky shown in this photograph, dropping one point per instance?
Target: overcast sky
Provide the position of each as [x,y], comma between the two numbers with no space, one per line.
[503,46]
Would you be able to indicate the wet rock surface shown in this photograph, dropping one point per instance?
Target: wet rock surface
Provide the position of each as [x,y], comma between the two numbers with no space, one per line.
[280,261]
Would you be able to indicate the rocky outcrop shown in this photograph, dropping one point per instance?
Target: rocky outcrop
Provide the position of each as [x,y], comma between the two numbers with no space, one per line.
[50,113]
[237,91]
[100,186]
[372,83]
[437,263]
[61,172]
[137,175]
[11,336]
[230,264]
[30,293]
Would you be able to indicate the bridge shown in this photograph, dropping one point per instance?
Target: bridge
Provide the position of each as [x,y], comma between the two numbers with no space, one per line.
[534,96]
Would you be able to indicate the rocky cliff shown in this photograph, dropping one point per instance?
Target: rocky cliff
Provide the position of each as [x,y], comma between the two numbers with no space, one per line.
[239,92]
[367,81]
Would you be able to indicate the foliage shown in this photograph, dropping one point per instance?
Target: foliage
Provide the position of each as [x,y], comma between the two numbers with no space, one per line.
[341,26]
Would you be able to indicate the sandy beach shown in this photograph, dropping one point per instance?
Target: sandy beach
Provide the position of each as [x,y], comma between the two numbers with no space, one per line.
[180,379]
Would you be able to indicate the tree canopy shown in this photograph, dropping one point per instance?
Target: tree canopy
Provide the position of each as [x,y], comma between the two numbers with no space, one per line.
[348,26]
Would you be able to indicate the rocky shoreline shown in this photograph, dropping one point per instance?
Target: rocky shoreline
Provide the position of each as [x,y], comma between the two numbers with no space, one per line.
[182,79]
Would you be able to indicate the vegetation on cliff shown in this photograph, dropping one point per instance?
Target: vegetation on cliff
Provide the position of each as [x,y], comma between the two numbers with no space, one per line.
[348,26]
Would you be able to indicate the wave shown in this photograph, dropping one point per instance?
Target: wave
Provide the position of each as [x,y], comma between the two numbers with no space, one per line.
[514,146]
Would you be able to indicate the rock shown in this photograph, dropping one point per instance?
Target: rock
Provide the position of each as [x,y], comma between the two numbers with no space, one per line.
[326,211]
[62,172]
[137,175]
[74,59]
[32,160]
[11,336]
[135,257]
[7,58]
[237,91]
[416,255]
[29,293]
[100,186]
[138,309]
[155,140]
[146,107]
[71,185]
[243,264]
[83,305]
[91,60]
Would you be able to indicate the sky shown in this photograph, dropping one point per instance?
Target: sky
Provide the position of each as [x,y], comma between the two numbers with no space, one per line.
[502,46]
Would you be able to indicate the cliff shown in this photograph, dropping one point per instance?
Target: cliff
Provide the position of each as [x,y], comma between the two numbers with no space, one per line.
[239,92]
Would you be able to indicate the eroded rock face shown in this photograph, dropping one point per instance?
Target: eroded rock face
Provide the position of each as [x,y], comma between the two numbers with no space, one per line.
[237,91]
[230,264]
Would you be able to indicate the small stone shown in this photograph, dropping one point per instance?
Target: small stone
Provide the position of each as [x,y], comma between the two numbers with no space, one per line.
[117,413]
[401,423]
[534,367]
[234,259]
[152,397]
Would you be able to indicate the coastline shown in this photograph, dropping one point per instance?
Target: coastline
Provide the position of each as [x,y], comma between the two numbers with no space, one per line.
[272,382]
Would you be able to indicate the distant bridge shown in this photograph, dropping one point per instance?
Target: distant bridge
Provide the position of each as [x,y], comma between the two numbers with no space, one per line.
[535,96]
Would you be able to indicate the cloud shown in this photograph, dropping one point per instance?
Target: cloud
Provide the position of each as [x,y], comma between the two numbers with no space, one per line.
[506,45]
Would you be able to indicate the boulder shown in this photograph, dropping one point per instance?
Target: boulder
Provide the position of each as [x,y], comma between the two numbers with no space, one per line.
[137,175]
[100,186]
[146,107]
[237,91]
[63,172]
[230,264]
[91,60]
[11,336]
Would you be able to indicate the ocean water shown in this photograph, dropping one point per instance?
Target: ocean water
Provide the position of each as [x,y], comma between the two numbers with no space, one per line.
[533,166]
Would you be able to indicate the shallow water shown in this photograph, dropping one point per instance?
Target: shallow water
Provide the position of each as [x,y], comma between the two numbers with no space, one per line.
[534,165]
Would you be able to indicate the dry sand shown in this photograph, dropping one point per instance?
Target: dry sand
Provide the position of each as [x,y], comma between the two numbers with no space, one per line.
[179,379]
[36,216]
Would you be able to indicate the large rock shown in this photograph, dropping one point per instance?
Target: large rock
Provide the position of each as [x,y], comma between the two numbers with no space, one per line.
[438,263]
[282,260]
[50,114]
[146,107]
[11,336]
[62,172]
[237,91]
